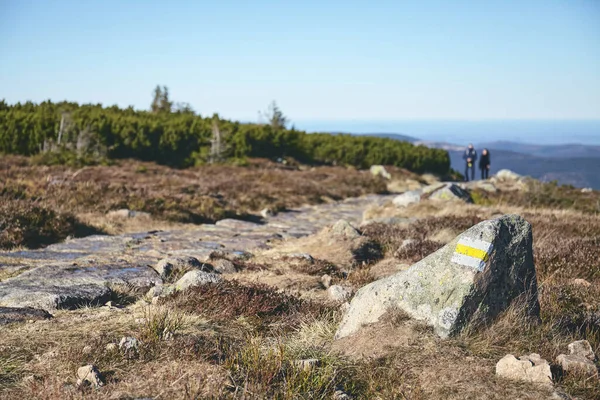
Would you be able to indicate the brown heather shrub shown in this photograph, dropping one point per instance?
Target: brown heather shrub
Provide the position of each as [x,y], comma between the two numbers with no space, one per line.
[195,195]
[24,223]
[543,195]
[227,300]
[390,237]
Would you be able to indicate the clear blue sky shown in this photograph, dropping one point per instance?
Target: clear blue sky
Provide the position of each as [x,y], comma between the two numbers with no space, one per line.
[321,60]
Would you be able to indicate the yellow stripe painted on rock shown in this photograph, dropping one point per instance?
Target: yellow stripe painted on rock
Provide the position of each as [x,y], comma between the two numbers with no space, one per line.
[472,252]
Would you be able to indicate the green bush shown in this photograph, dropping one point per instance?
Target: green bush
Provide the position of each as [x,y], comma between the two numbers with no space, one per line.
[184,138]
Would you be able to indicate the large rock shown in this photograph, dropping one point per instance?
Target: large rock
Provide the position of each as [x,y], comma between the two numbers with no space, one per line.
[530,368]
[407,198]
[51,287]
[472,279]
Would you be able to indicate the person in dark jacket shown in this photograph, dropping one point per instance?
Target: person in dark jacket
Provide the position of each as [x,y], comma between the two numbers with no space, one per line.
[470,158]
[484,164]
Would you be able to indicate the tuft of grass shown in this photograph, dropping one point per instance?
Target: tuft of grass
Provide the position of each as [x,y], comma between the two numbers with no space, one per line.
[161,322]
[11,370]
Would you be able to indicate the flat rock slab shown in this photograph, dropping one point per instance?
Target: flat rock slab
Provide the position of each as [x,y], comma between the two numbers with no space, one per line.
[52,287]
[79,271]
[9,315]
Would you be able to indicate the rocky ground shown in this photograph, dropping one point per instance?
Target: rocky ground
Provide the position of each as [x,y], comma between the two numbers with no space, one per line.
[241,309]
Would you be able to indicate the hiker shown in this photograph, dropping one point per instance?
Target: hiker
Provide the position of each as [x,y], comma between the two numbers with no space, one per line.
[470,157]
[484,164]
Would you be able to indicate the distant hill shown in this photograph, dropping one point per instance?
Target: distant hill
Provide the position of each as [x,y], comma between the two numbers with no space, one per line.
[554,151]
[579,171]
[395,136]
[570,164]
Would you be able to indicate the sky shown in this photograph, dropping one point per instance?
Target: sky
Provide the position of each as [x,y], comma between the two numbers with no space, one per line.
[336,64]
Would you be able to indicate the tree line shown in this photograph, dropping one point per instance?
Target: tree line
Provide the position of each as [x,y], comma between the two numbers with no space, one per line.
[178,136]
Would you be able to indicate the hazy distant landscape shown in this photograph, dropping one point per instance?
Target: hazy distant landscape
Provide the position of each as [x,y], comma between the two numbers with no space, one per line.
[569,164]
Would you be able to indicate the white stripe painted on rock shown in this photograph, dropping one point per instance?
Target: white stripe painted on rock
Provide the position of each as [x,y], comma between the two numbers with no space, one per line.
[468,261]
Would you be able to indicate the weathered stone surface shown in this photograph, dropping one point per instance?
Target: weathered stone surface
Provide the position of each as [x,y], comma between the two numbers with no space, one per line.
[125,213]
[578,364]
[507,175]
[53,281]
[449,289]
[449,192]
[224,266]
[326,281]
[13,314]
[527,369]
[580,359]
[196,278]
[70,286]
[128,343]
[307,364]
[338,293]
[379,170]
[582,348]
[267,213]
[407,198]
[177,265]
[89,374]
[345,229]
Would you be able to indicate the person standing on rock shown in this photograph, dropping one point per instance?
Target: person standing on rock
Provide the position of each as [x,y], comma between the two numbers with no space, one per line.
[484,164]
[470,158]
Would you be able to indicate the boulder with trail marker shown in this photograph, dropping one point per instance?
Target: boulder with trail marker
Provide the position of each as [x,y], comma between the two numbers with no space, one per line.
[472,279]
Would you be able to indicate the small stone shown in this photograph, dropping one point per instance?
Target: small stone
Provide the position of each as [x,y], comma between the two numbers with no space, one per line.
[582,348]
[338,293]
[574,363]
[89,374]
[302,256]
[224,266]
[109,304]
[128,343]
[581,282]
[507,175]
[266,213]
[379,170]
[524,370]
[345,229]
[341,395]
[178,265]
[307,364]
[407,198]
[87,350]
[111,347]
[196,278]
[326,281]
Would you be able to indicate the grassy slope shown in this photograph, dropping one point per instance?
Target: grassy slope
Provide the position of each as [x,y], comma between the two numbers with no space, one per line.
[240,340]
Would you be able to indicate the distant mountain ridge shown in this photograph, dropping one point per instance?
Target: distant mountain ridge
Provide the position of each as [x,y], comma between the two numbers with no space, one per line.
[569,164]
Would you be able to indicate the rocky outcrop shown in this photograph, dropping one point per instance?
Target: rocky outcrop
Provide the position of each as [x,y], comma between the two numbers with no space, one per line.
[531,368]
[343,228]
[472,279]
[507,175]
